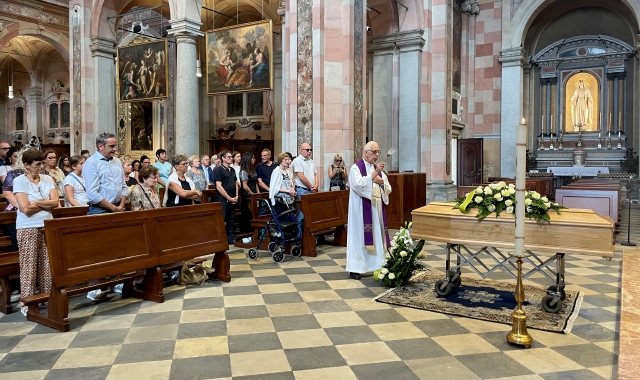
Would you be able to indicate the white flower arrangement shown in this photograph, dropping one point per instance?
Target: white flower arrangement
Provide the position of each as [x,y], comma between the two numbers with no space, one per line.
[401,260]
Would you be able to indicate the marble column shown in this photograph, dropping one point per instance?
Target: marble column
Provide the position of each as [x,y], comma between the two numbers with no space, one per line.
[511,96]
[34,101]
[103,51]
[409,101]
[278,95]
[187,118]
[382,112]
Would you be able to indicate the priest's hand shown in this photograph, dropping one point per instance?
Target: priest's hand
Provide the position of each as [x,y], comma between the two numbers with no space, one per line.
[378,180]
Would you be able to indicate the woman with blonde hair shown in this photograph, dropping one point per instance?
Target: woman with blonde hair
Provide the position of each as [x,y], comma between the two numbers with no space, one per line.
[337,174]
[195,174]
[127,168]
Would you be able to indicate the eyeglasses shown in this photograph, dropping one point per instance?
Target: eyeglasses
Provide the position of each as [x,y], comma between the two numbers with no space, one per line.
[7,148]
[51,158]
[338,160]
[308,150]
[374,151]
[182,164]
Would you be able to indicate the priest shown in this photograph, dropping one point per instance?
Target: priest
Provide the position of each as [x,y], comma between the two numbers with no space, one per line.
[367,235]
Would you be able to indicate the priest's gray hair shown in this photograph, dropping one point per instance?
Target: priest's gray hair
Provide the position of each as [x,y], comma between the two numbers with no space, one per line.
[369,145]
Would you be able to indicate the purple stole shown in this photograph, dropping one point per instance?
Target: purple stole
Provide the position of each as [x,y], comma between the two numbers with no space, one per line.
[366,213]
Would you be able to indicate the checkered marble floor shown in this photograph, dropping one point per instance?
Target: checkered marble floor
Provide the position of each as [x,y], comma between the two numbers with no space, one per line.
[304,319]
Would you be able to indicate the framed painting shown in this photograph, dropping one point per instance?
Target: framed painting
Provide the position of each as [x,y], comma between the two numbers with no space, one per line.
[582,96]
[143,72]
[239,58]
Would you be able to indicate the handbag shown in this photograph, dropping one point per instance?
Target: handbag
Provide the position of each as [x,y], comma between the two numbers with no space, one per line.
[192,275]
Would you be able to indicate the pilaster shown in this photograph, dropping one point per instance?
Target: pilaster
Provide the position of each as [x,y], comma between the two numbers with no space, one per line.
[187,114]
[104,97]
[34,102]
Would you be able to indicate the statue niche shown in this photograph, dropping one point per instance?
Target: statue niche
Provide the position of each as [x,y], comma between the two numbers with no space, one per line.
[582,103]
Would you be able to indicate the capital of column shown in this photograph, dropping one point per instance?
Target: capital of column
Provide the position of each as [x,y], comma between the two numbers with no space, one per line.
[411,40]
[102,47]
[35,92]
[512,57]
[185,27]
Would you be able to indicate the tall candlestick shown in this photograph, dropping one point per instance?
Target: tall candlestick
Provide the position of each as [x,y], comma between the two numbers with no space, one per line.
[600,121]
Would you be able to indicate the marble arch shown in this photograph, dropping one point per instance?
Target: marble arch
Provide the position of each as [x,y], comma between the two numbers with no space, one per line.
[515,30]
[59,42]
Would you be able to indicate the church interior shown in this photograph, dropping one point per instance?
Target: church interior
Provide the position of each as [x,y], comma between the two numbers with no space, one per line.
[440,85]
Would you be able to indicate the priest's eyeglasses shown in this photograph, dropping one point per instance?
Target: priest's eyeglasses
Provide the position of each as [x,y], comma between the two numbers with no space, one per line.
[375,151]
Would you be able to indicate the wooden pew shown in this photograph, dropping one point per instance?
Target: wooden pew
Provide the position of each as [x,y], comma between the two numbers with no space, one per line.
[100,247]
[208,196]
[409,191]
[324,213]
[9,260]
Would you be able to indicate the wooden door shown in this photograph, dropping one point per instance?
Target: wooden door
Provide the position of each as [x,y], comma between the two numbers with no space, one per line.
[469,162]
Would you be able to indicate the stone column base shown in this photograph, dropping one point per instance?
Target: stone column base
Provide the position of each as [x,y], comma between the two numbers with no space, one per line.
[441,191]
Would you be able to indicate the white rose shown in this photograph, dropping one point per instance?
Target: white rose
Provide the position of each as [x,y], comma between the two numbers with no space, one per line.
[535,195]
[394,238]
[387,256]
[508,202]
[544,199]
[504,192]
[403,254]
[384,270]
[512,186]
[547,204]
[380,276]
[510,210]
[511,190]
[528,201]
[392,276]
[498,197]
[478,199]
[479,190]
[487,190]
[491,208]
[423,255]
[555,204]
[501,185]
[528,209]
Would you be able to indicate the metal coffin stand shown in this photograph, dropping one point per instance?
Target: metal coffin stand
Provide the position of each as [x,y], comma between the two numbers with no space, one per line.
[574,231]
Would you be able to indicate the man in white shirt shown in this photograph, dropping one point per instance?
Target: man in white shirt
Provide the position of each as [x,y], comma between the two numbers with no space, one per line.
[306,173]
[205,163]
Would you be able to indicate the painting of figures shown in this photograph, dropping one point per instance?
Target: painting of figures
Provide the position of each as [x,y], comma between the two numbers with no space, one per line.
[141,137]
[239,58]
[142,71]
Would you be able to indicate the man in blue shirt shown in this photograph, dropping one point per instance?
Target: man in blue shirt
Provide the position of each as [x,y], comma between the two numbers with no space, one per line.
[104,178]
[264,170]
[4,149]
[164,167]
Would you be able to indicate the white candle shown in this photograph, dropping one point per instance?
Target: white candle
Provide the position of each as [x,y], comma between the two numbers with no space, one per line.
[619,135]
[609,125]
[599,134]
[552,130]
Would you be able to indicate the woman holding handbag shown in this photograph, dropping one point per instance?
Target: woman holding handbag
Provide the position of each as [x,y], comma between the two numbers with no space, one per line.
[144,195]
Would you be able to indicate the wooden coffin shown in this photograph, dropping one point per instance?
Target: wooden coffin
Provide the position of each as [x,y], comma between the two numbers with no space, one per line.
[574,231]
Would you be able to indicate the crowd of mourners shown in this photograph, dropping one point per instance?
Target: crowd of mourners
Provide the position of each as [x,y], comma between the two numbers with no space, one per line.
[34,182]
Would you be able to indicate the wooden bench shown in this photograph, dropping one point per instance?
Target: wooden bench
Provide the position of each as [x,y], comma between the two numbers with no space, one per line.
[103,247]
[324,213]
[9,260]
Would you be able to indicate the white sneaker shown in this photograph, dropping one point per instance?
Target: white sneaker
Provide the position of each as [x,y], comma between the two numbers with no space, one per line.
[118,288]
[247,240]
[95,295]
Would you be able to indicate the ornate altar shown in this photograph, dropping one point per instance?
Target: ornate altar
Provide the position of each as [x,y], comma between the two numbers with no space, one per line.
[582,111]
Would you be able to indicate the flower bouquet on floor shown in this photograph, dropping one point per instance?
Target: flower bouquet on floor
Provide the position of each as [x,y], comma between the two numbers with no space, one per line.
[401,259]
[500,197]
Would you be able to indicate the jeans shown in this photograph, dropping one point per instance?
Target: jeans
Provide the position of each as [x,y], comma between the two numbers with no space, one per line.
[97,210]
[228,210]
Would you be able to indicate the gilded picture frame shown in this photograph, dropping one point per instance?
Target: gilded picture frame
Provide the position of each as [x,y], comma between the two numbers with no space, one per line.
[239,58]
[143,72]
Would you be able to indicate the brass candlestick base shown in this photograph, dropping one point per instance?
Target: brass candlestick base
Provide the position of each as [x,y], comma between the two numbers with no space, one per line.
[519,334]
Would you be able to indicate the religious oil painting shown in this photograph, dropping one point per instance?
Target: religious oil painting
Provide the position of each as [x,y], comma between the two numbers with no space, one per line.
[142,72]
[141,136]
[239,58]
[582,111]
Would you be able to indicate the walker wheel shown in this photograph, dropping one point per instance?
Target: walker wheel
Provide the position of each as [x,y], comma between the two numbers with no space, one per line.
[443,288]
[563,294]
[296,251]
[273,246]
[457,282]
[278,256]
[548,307]
[253,253]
